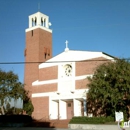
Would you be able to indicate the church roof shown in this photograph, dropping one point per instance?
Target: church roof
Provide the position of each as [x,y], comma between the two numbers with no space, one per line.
[73,56]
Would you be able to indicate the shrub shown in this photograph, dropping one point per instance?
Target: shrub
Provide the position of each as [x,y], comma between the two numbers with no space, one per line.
[92,120]
[15,118]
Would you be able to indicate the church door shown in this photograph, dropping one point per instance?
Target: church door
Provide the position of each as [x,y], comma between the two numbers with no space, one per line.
[70,109]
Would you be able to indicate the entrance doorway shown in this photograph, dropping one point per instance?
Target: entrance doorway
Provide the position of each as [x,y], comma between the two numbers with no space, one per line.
[70,110]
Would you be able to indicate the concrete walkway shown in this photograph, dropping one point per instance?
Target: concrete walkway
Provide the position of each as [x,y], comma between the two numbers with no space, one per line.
[42,128]
[30,128]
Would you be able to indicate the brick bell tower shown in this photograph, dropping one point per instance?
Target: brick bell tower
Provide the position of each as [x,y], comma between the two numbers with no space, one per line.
[38,47]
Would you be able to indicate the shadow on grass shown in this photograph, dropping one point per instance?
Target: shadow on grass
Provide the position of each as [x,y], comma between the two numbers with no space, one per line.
[22,121]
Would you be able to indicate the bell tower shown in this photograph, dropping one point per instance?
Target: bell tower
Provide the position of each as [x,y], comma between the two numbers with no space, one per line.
[38,47]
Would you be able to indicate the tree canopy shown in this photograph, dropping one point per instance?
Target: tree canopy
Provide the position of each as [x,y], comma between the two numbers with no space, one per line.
[109,89]
[11,88]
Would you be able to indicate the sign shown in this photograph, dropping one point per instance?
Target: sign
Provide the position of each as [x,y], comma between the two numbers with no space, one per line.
[119,116]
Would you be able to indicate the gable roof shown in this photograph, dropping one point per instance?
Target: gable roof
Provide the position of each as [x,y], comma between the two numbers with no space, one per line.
[73,56]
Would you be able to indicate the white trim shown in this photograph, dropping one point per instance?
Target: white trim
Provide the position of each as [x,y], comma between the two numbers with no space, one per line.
[38,26]
[83,77]
[44,82]
[35,83]
[107,57]
[79,93]
[46,64]
[42,94]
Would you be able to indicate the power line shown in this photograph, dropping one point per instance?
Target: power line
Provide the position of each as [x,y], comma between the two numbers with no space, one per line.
[56,61]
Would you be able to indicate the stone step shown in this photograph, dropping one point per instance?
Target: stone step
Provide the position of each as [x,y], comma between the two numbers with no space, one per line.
[59,123]
[51,123]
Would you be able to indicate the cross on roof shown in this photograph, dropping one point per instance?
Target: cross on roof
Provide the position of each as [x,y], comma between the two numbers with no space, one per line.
[66,42]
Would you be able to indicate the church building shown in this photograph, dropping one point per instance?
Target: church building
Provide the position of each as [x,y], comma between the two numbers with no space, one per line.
[57,85]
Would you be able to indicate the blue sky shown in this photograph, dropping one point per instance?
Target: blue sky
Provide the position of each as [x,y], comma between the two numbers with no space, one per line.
[91,25]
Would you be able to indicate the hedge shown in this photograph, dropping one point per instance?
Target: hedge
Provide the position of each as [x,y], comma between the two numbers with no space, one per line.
[92,120]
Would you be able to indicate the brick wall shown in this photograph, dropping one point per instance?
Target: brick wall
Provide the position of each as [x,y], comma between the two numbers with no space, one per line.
[45,88]
[81,84]
[86,68]
[48,73]
[41,106]
[38,42]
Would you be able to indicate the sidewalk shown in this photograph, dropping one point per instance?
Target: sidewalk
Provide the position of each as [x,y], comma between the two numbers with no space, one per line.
[30,128]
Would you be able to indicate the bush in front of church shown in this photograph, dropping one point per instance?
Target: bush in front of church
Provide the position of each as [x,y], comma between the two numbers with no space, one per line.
[92,120]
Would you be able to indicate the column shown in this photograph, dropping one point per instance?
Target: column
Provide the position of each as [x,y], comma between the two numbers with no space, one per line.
[62,110]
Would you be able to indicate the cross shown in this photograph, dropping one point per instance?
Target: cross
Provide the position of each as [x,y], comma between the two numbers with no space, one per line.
[66,42]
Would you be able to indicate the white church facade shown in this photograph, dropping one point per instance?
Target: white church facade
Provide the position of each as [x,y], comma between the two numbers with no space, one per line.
[57,85]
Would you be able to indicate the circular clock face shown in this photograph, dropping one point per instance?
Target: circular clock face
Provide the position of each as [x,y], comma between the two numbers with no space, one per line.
[68,70]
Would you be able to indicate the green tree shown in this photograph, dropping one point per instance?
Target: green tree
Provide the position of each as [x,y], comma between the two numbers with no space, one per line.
[109,89]
[27,104]
[11,88]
